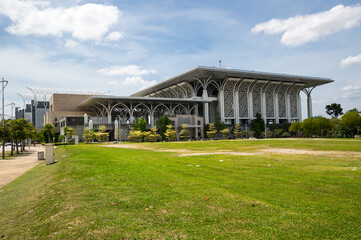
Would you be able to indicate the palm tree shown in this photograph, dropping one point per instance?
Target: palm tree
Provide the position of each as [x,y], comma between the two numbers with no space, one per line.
[48,132]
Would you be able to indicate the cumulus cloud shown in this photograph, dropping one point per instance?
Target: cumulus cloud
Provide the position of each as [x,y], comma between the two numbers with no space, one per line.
[352,90]
[137,80]
[114,36]
[113,82]
[71,43]
[302,29]
[350,60]
[84,22]
[132,70]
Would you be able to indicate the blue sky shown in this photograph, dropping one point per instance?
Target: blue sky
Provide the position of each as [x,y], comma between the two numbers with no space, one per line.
[124,46]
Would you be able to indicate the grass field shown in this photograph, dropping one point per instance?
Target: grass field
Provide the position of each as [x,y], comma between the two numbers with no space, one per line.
[157,191]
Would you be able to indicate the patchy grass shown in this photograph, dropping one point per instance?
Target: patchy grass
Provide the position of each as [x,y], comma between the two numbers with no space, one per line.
[94,192]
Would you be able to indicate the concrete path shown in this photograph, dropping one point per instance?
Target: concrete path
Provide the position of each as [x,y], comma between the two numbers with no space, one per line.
[13,168]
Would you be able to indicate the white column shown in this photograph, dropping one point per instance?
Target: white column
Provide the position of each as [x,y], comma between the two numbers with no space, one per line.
[221,104]
[236,107]
[206,107]
[263,106]
[152,120]
[288,107]
[299,109]
[309,105]
[250,105]
[276,110]
[109,118]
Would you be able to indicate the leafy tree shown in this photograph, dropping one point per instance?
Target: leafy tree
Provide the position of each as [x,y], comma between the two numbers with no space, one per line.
[212,131]
[319,126]
[257,125]
[296,128]
[184,133]
[48,132]
[218,124]
[334,110]
[154,135]
[5,135]
[69,132]
[170,134]
[102,135]
[237,132]
[225,133]
[88,135]
[162,124]
[350,123]
[140,125]
[135,135]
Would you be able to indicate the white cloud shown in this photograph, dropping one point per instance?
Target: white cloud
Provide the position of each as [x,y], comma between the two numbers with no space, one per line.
[114,36]
[130,70]
[301,29]
[85,22]
[352,90]
[113,82]
[138,80]
[350,60]
[71,43]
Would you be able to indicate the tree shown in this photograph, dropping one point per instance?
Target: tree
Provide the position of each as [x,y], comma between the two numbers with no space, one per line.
[140,125]
[102,135]
[162,124]
[225,133]
[48,132]
[218,124]
[319,126]
[154,135]
[88,135]
[237,132]
[184,133]
[350,123]
[212,131]
[5,135]
[334,110]
[69,132]
[296,128]
[135,135]
[170,134]
[257,125]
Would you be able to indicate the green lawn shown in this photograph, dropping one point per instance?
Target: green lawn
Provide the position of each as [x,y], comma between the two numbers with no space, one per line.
[94,192]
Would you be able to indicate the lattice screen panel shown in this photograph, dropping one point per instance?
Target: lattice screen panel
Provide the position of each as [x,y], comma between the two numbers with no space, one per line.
[228,99]
[243,99]
[282,101]
[269,101]
[256,97]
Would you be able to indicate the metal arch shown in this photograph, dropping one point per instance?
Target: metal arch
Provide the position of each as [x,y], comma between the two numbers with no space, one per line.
[278,88]
[237,85]
[161,104]
[191,87]
[174,92]
[265,86]
[181,106]
[104,107]
[251,86]
[140,104]
[194,107]
[214,83]
[289,88]
[120,104]
[308,90]
[185,95]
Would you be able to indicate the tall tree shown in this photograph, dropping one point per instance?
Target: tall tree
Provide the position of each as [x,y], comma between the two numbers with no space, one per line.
[5,135]
[140,124]
[162,124]
[257,125]
[350,123]
[48,132]
[334,110]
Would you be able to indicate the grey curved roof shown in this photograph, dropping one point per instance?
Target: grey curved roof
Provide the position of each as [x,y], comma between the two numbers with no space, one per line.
[219,73]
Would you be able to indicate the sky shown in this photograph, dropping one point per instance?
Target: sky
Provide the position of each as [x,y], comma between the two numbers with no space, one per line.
[122,47]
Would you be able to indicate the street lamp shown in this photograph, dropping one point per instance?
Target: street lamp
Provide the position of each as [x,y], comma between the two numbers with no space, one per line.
[4,84]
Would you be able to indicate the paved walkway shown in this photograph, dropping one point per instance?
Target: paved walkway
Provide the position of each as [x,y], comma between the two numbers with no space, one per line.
[13,168]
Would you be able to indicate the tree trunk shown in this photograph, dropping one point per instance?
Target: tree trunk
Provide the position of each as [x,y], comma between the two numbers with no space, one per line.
[17,147]
[12,148]
[3,152]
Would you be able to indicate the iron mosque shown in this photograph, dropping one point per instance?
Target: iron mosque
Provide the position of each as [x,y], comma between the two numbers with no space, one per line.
[194,97]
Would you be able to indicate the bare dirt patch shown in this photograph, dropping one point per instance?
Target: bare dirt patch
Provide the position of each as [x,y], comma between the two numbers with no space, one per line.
[310,152]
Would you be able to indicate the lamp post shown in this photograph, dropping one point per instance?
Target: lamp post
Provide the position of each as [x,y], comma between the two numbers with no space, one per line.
[4,84]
